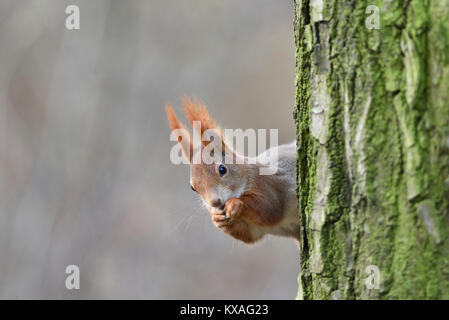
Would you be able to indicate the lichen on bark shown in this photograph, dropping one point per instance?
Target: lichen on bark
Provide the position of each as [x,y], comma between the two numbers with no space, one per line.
[372,117]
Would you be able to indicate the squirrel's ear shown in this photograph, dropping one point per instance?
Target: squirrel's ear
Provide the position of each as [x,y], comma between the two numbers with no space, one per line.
[183,135]
[195,111]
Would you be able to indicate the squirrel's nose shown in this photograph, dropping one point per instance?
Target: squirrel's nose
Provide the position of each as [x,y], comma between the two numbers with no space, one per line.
[217,203]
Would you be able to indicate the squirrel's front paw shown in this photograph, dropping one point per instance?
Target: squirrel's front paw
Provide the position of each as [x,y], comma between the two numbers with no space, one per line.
[221,221]
[236,228]
[232,208]
[226,219]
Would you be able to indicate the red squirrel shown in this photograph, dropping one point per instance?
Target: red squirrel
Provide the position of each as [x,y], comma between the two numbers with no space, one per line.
[242,203]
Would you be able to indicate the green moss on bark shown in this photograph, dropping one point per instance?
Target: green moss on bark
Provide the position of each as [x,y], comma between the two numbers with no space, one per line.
[373,149]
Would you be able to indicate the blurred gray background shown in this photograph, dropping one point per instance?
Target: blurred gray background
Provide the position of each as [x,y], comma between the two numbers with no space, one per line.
[85,176]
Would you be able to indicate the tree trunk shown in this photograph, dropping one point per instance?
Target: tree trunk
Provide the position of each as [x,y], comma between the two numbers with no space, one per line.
[372,116]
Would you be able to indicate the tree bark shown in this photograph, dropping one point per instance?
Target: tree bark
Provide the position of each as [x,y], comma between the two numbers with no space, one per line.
[372,117]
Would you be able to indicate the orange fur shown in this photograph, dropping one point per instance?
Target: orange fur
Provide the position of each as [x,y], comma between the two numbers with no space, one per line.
[176,124]
[173,120]
[195,110]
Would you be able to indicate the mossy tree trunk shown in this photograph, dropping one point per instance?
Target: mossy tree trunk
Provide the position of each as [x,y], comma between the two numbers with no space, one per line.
[372,116]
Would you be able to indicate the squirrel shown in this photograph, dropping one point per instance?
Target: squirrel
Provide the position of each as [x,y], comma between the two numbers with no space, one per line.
[242,203]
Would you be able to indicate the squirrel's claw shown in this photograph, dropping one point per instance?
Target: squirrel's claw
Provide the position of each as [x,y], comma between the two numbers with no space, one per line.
[226,217]
[220,220]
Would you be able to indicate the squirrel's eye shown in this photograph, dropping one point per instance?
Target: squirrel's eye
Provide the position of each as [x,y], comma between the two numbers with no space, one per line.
[222,170]
[191,187]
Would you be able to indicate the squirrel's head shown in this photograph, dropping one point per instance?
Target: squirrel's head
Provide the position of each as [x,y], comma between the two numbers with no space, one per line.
[215,173]
[217,182]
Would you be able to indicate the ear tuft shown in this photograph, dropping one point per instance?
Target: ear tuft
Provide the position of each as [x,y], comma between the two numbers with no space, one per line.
[184,140]
[195,110]
[173,120]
